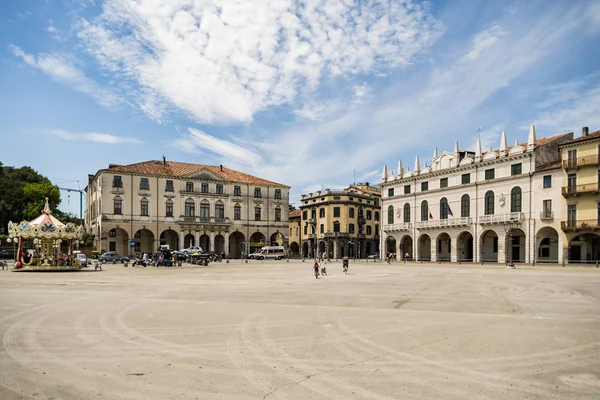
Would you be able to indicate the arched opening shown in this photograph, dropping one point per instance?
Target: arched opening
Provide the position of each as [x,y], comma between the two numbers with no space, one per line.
[305,249]
[390,245]
[390,215]
[188,241]
[219,244]
[406,212]
[584,248]
[547,245]
[424,248]
[204,242]
[444,208]
[257,241]
[118,240]
[515,199]
[322,247]
[170,238]
[236,245]
[294,249]
[144,241]
[465,207]
[465,247]
[424,210]
[443,247]
[406,247]
[277,239]
[488,203]
[368,249]
[330,248]
[489,246]
[515,248]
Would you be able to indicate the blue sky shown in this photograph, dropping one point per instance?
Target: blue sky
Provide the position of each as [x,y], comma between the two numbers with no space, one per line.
[302,93]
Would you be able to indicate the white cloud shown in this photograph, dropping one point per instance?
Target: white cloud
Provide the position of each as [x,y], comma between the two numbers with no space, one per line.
[96,137]
[483,41]
[361,93]
[223,62]
[64,71]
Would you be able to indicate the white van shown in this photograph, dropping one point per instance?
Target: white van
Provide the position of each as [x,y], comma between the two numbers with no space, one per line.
[274,252]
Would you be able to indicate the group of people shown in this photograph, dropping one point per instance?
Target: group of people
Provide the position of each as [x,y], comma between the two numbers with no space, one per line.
[162,257]
[320,266]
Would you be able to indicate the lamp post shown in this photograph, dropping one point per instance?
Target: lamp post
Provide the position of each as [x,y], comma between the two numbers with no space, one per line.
[311,222]
[508,228]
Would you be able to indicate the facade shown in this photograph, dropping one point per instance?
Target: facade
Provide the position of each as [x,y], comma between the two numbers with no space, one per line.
[135,208]
[477,206]
[581,174]
[295,236]
[340,223]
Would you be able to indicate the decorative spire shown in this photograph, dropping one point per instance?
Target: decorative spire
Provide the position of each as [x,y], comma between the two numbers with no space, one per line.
[503,144]
[384,175]
[417,168]
[400,170]
[516,142]
[531,139]
[478,150]
[456,147]
[435,153]
[46,209]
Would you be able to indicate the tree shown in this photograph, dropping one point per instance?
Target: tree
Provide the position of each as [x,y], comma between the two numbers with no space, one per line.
[34,196]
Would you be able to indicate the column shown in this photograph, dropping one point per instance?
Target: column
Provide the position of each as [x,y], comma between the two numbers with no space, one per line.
[181,240]
[455,254]
[433,248]
[197,239]
[226,243]
[310,249]
[211,244]
[336,254]
[502,242]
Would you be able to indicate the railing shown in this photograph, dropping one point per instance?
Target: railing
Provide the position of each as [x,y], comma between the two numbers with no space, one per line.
[442,223]
[199,220]
[580,161]
[547,214]
[501,218]
[404,226]
[576,189]
[116,184]
[580,224]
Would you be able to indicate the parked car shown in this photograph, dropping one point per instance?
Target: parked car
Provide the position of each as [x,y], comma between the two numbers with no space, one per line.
[254,255]
[192,250]
[180,255]
[82,259]
[113,256]
[270,252]
[7,254]
[373,256]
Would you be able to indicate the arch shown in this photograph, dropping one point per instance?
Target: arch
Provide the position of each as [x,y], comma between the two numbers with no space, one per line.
[219,244]
[189,240]
[443,244]
[516,198]
[390,212]
[465,247]
[444,208]
[424,250]
[424,210]
[170,238]
[406,247]
[294,249]
[236,245]
[406,212]
[277,239]
[189,208]
[465,206]
[305,249]
[257,241]
[489,202]
[204,242]
[144,241]
[488,245]
[515,246]
[118,240]
[390,245]
[322,247]
[547,245]
[584,248]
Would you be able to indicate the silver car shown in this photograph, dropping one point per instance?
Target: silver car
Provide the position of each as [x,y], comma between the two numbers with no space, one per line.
[82,259]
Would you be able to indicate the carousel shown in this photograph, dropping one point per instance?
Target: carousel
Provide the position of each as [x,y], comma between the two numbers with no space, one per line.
[52,243]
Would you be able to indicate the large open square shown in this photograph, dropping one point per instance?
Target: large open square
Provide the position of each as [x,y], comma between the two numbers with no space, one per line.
[270,330]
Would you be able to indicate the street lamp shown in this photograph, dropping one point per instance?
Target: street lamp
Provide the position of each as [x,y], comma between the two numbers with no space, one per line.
[508,228]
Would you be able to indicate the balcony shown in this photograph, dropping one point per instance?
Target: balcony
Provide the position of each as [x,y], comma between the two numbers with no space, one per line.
[580,189]
[204,221]
[443,223]
[546,215]
[404,226]
[581,161]
[580,224]
[501,218]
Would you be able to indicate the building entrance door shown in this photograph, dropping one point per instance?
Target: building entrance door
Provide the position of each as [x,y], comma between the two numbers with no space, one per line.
[575,253]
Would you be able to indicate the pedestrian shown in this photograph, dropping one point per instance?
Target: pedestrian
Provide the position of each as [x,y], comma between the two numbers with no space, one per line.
[345,264]
[316,268]
[406,257]
[222,254]
[324,267]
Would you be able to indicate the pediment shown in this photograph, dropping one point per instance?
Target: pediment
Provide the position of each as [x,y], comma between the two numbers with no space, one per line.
[443,161]
[466,161]
[490,155]
[516,150]
[205,174]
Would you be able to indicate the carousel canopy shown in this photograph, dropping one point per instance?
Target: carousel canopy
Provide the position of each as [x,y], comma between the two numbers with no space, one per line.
[45,226]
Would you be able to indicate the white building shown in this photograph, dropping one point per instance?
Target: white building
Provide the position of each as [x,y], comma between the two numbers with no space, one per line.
[473,206]
[135,208]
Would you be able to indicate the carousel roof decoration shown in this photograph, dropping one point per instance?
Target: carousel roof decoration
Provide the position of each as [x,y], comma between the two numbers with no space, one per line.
[45,226]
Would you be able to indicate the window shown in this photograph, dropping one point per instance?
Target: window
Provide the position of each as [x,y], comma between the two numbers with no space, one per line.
[515,199]
[112,233]
[489,174]
[390,214]
[444,183]
[424,210]
[572,158]
[257,213]
[351,228]
[376,215]
[336,197]
[144,207]
[169,186]
[278,194]
[465,206]
[465,178]
[304,215]
[547,209]
[189,186]
[516,169]
[321,213]
[322,228]
[351,212]
[406,189]
[547,181]
[572,213]
[169,208]
[376,230]
[219,188]
[118,206]
[489,203]
[572,180]
[237,191]
[144,184]
[220,211]
[237,212]
[406,212]
[336,226]
[305,229]
[424,186]
[369,215]
[190,208]
[444,208]
[257,192]
[278,214]
[204,209]
[204,188]
[336,212]
[391,192]
[117,182]
[313,213]
[369,230]
[112,246]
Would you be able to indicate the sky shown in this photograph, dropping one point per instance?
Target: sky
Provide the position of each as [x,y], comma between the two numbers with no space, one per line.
[312,94]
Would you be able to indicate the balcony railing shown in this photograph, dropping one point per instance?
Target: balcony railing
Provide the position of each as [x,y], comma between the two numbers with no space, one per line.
[580,224]
[199,220]
[581,161]
[403,226]
[442,223]
[501,218]
[578,189]
[547,214]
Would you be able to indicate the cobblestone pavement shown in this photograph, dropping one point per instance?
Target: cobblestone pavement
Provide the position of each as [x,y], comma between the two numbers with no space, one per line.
[270,330]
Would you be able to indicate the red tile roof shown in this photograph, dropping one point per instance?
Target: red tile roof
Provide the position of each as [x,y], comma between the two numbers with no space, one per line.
[295,214]
[549,167]
[593,135]
[181,170]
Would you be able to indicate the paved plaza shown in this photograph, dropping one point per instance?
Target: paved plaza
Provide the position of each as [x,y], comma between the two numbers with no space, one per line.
[270,330]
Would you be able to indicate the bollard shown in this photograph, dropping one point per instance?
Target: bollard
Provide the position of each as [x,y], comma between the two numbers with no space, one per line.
[126,264]
[596,263]
[459,263]
[179,264]
[227,261]
[302,259]
[246,261]
[287,260]
[114,261]
[563,263]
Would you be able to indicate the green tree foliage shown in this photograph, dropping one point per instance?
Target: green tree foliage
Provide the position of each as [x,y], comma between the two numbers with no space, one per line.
[34,197]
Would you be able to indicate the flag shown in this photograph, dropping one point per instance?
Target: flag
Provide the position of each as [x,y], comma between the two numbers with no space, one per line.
[430,216]
[450,211]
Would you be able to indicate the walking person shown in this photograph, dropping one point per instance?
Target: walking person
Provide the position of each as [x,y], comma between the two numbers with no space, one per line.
[345,265]
[324,267]
[316,268]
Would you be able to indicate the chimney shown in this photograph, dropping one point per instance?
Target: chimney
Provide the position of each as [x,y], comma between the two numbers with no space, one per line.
[367,184]
[585,131]
[164,160]
[221,166]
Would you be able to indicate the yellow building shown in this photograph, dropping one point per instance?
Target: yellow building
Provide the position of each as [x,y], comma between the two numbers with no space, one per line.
[295,234]
[581,168]
[341,223]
